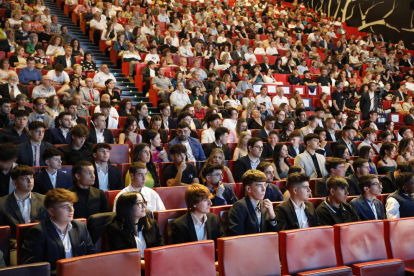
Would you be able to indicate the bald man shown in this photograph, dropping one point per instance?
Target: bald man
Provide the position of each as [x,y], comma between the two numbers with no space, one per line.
[112,112]
[100,78]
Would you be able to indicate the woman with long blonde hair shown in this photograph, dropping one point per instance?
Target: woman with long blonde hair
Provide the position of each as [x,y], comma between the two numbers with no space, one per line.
[241,148]
[217,157]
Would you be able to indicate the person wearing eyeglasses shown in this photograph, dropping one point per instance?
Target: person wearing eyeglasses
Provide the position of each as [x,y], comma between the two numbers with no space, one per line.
[273,192]
[251,160]
[40,244]
[12,89]
[138,174]
[40,114]
[132,227]
[367,205]
[296,212]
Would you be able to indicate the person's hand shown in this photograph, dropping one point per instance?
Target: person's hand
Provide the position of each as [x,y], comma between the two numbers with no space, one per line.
[68,95]
[220,190]
[182,167]
[161,155]
[269,207]
[323,144]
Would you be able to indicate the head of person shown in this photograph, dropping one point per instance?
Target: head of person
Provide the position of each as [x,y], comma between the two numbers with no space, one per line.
[79,134]
[183,131]
[101,152]
[312,141]
[52,158]
[254,183]
[348,132]
[405,182]
[335,166]
[369,134]
[59,204]
[361,167]
[98,120]
[255,147]
[142,110]
[213,173]
[142,153]
[178,153]
[37,131]
[298,185]
[222,135]
[22,178]
[21,117]
[198,199]
[83,174]
[313,121]
[337,188]
[130,211]
[138,174]
[5,106]
[269,122]
[267,169]
[214,121]
[405,132]
[301,114]
[388,150]
[39,105]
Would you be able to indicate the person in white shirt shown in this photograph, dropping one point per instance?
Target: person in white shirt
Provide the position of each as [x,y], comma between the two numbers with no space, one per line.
[107,176]
[162,17]
[45,90]
[152,56]
[279,98]
[208,136]
[400,203]
[272,50]
[250,54]
[112,112]
[100,78]
[263,98]
[179,98]
[259,49]
[138,174]
[185,49]
[132,57]
[97,23]
[370,136]
[147,29]
[112,122]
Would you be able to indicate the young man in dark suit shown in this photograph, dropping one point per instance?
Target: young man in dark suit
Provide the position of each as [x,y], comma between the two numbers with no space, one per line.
[107,176]
[183,117]
[221,135]
[30,152]
[59,237]
[335,167]
[252,214]
[348,135]
[98,133]
[51,177]
[251,160]
[78,149]
[296,212]
[300,120]
[334,209]
[295,147]
[90,199]
[22,206]
[269,147]
[72,108]
[223,193]
[198,224]
[367,205]
[67,56]
[60,134]
[272,191]
[409,118]
[269,125]
[365,101]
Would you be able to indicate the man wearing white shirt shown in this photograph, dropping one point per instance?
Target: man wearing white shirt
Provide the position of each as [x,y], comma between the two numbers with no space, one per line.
[208,136]
[97,23]
[107,177]
[138,174]
[112,112]
[179,98]
[152,56]
[162,17]
[250,54]
[147,29]
[370,136]
[279,98]
[400,203]
[100,78]
[132,57]
[59,77]
[176,25]
[263,98]
[409,85]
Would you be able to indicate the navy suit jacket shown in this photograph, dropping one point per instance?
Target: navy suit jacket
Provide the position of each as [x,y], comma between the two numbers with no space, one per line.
[25,156]
[292,152]
[228,195]
[114,178]
[108,138]
[42,183]
[54,136]
[62,60]
[365,212]
[241,166]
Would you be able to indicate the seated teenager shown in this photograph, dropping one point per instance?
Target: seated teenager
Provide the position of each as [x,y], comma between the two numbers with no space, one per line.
[98,133]
[132,228]
[296,212]
[51,177]
[272,191]
[388,182]
[252,214]
[400,203]
[335,167]
[40,243]
[251,160]
[198,224]
[90,199]
[180,173]
[138,175]
[107,176]
[60,135]
[78,149]
[223,193]
[221,135]
[8,157]
[334,209]
[367,206]
[22,206]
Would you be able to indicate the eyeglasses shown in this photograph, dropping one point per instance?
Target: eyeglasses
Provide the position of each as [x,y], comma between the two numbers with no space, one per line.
[141,204]
[259,148]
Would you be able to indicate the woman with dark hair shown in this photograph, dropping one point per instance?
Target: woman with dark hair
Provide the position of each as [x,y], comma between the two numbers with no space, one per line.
[129,134]
[196,95]
[132,228]
[288,125]
[367,153]
[4,70]
[280,163]
[387,154]
[142,154]
[405,149]
[53,106]
[70,91]
[141,113]
[113,94]
[254,75]
[156,122]
[389,126]
[17,59]
[153,138]
[125,107]
[232,98]
[88,65]
[367,124]
[77,50]
[279,67]
[342,151]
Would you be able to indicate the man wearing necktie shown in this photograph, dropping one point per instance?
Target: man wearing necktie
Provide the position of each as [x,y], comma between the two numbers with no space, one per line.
[89,95]
[370,136]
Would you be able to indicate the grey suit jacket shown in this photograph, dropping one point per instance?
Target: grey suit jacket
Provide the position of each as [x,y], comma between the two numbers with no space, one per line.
[84,92]
[234,55]
[305,161]
[49,122]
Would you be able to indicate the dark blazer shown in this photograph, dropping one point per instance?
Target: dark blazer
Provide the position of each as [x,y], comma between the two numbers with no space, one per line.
[243,219]
[262,135]
[365,104]
[97,203]
[364,211]
[108,138]
[292,152]
[25,156]
[54,136]
[286,216]
[228,195]
[114,178]
[4,45]
[198,124]
[408,120]
[388,183]
[353,188]
[320,187]
[329,136]
[263,67]
[273,193]
[354,147]
[42,183]
[79,120]
[43,244]
[5,93]
[212,146]
[267,151]
[172,123]
[62,60]
[10,213]
[71,156]
[183,229]
[252,124]
[326,151]
[119,239]
[241,166]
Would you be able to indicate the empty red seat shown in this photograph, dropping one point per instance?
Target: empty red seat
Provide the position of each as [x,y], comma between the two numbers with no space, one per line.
[223,213]
[361,245]
[5,243]
[123,262]
[317,254]
[164,220]
[256,262]
[186,259]
[172,197]
[111,197]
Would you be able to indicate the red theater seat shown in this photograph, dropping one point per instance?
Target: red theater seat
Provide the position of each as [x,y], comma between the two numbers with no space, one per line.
[5,243]
[164,219]
[186,259]
[172,197]
[223,213]
[256,262]
[123,262]
[317,255]
[111,197]
[37,269]
[361,245]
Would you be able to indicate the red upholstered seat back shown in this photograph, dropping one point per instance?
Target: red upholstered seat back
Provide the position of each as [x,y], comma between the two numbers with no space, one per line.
[186,259]
[261,258]
[399,238]
[164,220]
[110,195]
[5,243]
[123,262]
[359,242]
[223,213]
[315,246]
[172,197]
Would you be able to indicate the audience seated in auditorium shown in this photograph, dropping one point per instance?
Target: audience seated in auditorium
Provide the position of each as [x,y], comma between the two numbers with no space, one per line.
[17,133]
[107,176]
[251,160]
[194,150]
[98,133]
[221,135]
[60,135]
[78,149]
[312,162]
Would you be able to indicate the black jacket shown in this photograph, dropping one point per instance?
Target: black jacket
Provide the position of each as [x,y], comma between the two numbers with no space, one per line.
[71,156]
[97,202]
[5,93]
[42,183]
[408,120]
[273,193]
[292,152]
[114,178]
[79,120]
[108,138]
[212,146]
[329,136]
[25,156]
[228,195]
[243,219]
[345,213]
[54,136]
[43,244]
[354,147]
[172,124]
[286,216]
[353,188]
[388,183]
[365,212]
[62,60]
[299,124]
[267,151]
[262,135]
[365,104]
[241,166]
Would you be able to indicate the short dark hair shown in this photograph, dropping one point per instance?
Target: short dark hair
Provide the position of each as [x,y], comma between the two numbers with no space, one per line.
[335,182]
[405,167]
[8,151]
[78,167]
[162,106]
[296,178]
[105,104]
[320,108]
[269,118]
[50,153]
[310,136]
[273,131]
[5,100]
[21,113]
[79,130]
[402,130]
[178,148]
[64,113]
[187,106]
[312,117]
[220,131]
[358,163]
[36,124]
[299,110]
[286,122]
[318,130]
[336,112]
[210,168]
[294,134]
[347,128]
[95,116]
[59,67]
[183,115]
[252,176]
[403,178]
[182,125]
[212,117]
[252,141]
[20,170]
[332,163]
[365,181]
[98,146]
[68,104]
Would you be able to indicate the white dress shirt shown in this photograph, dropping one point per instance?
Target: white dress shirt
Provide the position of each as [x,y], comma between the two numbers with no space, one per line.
[392,207]
[100,78]
[141,244]
[154,202]
[65,238]
[103,177]
[53,177]
[24,207]
[200,227]
[300,214]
